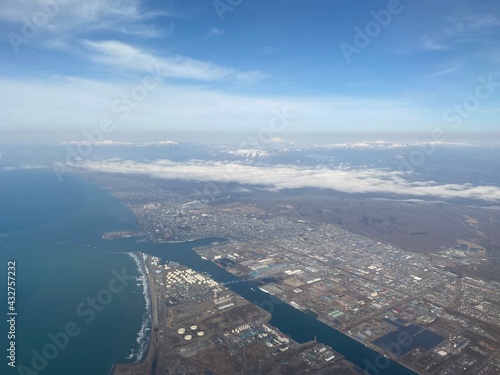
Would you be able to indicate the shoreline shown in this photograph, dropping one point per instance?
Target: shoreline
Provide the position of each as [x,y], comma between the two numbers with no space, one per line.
[144,364]
[147,316]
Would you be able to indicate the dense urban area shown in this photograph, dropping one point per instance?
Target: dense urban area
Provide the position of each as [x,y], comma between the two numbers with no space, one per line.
[372,291]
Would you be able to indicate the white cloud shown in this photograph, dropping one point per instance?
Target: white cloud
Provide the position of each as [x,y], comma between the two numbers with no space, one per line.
[72,19]
[122,55]
[452,68]
[120,143]
[75,104]
[342,179]
[279,140]
[461,25]
[373,145]
[214,31]
[370,145]
[432,43]
[22,167]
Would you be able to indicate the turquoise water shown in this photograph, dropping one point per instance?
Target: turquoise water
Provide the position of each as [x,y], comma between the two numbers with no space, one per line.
[50,230]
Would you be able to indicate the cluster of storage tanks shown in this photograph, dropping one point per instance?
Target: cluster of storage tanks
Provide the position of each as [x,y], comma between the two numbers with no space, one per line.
[193,330]
[189,276]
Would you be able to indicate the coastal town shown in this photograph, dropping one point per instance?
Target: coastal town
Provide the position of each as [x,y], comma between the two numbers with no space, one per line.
[372,291]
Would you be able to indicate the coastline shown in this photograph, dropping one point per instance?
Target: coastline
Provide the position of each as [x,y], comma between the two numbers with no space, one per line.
[145,362]
[144,335]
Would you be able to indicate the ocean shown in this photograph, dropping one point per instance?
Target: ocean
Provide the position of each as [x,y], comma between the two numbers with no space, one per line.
[79,309]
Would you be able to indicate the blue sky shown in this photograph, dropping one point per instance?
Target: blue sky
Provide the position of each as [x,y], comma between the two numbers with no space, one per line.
[227,66]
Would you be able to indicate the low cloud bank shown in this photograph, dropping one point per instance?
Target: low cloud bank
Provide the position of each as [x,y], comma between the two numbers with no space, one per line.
[342,179]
